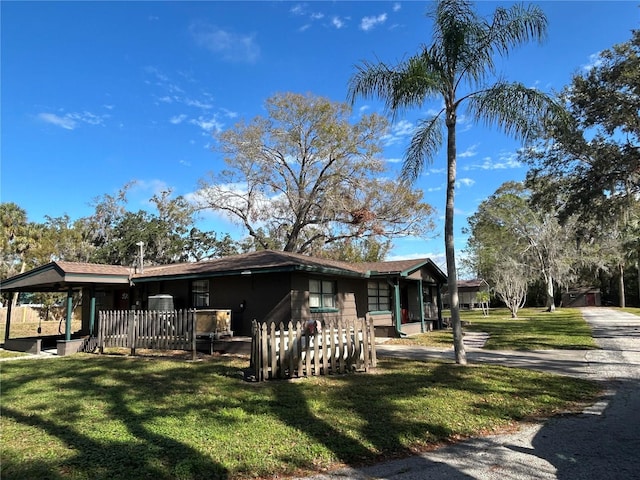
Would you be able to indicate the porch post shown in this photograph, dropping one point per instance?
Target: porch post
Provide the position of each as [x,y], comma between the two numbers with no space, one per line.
[439,288]
[396,297]
[7,325]
[421,299]
[92,310]
[67,333]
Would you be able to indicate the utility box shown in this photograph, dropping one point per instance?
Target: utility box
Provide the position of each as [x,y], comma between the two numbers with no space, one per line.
[161,302]
[216,322]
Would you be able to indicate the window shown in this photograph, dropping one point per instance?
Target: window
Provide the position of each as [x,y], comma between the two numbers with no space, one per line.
[200,293]
[322,294]
[378,295]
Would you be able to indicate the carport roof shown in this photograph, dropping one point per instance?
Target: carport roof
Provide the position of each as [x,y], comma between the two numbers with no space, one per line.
[60,276]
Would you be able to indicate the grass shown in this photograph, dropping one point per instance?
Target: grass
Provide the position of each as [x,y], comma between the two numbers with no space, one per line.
[21,329]
[117,417]
[534,329]
[634,310]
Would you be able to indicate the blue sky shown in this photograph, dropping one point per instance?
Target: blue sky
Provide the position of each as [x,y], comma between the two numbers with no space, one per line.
[97,94]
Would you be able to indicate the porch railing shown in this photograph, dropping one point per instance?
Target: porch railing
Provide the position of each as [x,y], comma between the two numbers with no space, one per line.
[158,330]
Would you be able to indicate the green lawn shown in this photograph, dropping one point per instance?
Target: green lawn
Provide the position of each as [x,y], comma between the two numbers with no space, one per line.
[116,417]
[534,329]
[634,310]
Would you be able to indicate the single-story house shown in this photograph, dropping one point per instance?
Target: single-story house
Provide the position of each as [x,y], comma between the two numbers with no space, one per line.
[400,296]
[468,293]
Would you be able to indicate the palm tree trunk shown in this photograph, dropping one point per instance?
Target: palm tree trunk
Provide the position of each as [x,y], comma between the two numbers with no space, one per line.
[14,296]
[621,285]
[450,251]
[551,302]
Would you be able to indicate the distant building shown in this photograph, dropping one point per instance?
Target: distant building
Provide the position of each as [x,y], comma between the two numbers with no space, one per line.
[467,293]
[582,297]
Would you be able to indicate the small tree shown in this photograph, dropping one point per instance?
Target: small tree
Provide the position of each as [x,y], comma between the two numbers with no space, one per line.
[510,284]
[483,298]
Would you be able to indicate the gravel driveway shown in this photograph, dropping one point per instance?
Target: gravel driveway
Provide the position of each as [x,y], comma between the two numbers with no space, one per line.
[601,443]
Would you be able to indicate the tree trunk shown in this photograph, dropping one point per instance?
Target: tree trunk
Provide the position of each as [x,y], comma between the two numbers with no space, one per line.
[551,302]
[14,296]
[621,285]
[638,272]
[452,282]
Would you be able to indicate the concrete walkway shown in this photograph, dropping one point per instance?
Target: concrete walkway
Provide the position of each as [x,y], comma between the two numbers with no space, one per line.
[600,444]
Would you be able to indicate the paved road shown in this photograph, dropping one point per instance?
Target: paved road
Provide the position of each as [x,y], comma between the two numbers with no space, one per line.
[600,444]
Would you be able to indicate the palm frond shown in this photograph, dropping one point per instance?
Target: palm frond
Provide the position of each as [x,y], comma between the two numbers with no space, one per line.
[514,26]
[517,110]
[424,145]
[406,85]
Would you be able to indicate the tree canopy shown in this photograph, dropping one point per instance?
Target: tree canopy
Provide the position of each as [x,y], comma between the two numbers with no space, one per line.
[590,168]
[305,177]
[514,238]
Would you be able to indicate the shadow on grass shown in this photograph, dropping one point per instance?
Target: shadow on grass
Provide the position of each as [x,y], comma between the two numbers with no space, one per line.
[402,408]
[141,454]
[383,434]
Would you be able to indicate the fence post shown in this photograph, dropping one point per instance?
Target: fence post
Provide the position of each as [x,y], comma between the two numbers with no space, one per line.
[131,329]
[264,352]
[100,334]
[372,336]
[191,321]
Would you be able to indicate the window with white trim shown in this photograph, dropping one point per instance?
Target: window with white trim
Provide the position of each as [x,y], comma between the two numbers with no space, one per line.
[378,296]
[322,294]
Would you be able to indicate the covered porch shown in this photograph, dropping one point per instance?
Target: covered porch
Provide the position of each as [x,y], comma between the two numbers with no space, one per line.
[93,286]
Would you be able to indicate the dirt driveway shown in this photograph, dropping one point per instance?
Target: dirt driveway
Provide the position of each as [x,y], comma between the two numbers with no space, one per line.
[601,443]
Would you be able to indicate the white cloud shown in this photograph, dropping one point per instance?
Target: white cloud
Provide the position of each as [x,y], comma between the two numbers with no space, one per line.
[62,122]
[229,45]
[469,152]
[467,182]
[229,113]
[197,103]
[367,23]
[70,121]
[398,132]
[178,119]
[594,61]
[298,9]
[337,22]
[505,161]
[208,124]
[396,7]
[403,128]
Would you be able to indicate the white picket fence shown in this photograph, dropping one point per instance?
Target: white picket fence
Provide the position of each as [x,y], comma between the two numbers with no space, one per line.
[302,348]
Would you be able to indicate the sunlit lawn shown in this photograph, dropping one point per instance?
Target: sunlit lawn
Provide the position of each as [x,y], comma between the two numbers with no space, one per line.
[534,329]
[116,417]
[634,310]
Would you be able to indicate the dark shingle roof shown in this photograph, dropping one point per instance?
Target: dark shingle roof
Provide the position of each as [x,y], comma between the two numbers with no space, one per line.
[265,260]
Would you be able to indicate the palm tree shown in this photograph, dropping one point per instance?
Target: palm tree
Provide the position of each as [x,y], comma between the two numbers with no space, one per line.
[456,68]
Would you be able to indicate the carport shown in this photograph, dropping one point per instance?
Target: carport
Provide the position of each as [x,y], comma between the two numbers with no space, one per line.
[65,277]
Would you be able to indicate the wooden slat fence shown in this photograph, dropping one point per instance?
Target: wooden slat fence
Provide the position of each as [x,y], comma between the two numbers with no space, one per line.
[157,330]
[295,350]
